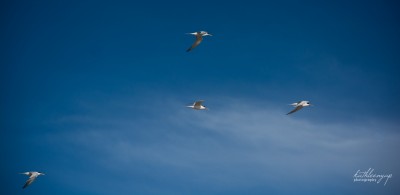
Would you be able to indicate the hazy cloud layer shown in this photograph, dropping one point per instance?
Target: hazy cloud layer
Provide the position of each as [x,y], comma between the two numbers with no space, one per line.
[238,146]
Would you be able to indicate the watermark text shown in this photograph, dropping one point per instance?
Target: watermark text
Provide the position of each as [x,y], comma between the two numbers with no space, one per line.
[370,176]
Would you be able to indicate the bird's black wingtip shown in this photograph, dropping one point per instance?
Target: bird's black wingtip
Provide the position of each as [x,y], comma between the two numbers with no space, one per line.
[26,185]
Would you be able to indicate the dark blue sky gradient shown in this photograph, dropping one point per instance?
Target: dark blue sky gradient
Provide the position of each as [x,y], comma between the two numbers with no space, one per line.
[91,86]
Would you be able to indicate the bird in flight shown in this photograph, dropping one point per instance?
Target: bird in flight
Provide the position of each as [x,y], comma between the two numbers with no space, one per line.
[299,105]
[198,105]
[32,177]
[199,37]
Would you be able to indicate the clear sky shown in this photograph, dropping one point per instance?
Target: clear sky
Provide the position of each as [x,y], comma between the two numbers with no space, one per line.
[93,94]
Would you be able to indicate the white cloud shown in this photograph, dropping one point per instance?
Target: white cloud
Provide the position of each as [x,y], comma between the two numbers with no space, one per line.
[234,145]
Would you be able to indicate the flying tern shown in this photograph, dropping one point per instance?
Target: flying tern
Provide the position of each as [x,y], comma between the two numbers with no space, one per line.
[199,37]
[32,177]
[198,105]
[299,105]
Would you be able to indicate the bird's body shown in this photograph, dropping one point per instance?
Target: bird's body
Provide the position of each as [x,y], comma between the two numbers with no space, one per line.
[198,105]
[32,177]
[299,105]
[199,37]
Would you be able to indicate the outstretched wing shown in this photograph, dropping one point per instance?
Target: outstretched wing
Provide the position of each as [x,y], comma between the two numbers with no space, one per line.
[295,109]
[199,38]
[29,181]
[198,103]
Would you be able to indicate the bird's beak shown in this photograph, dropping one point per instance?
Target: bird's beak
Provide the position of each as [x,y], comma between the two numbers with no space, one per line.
[42,174]
[210,34]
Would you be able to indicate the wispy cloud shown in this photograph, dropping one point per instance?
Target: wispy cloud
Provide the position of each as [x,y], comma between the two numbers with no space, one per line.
[231,146]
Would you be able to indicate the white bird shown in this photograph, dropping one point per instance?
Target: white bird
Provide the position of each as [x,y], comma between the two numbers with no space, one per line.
[299,105]
[199,37]
[198,105]
[32,176]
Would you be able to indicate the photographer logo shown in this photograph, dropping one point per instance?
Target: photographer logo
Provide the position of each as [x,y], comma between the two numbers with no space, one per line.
[370,176]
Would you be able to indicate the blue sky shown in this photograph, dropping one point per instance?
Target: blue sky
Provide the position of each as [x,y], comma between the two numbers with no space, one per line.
[93,94]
